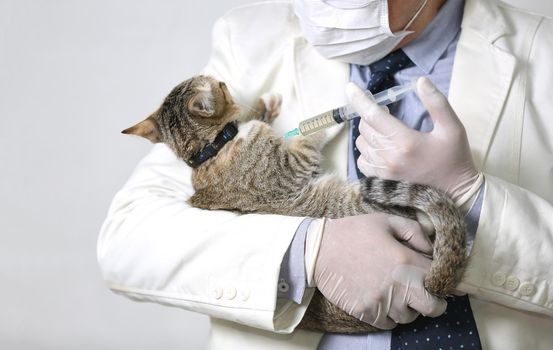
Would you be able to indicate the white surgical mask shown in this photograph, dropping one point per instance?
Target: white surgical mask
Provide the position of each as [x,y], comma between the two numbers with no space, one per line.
[352,31]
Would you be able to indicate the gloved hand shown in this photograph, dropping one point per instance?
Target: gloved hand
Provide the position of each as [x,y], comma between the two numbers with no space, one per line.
[364,268]
[391,150]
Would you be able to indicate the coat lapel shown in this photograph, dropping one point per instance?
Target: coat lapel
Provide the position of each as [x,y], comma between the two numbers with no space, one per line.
[319,83]
[482,75]
[481,78]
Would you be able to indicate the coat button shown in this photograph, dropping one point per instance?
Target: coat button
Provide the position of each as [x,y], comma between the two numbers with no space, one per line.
[230,293]
[217,293]
[244,294]
[527,289]
[512,283]
[498,279]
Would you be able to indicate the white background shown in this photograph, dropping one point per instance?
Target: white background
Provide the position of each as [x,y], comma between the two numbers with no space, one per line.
[72,75]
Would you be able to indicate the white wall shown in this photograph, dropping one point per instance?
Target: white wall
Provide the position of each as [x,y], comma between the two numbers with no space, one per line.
[72,75]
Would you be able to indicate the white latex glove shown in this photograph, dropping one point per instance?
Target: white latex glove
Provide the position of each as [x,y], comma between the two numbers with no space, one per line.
[367,266]
[390,149]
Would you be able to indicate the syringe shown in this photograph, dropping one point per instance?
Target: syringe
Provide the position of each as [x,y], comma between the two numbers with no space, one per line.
[341,114]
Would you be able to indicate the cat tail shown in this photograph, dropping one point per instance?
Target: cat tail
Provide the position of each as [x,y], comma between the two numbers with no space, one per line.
[449,245]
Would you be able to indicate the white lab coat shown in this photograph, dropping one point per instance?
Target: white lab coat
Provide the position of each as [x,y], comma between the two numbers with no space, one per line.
[154,247]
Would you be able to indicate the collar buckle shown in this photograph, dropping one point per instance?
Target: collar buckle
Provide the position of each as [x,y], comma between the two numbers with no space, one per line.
[211,149]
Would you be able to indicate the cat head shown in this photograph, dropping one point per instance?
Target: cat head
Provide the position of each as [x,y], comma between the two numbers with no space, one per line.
[192,115]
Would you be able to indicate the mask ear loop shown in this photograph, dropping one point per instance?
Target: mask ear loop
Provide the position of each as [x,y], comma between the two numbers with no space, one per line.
[416,15]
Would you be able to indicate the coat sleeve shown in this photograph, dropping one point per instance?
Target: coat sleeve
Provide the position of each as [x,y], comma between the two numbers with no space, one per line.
[512,258]
[154,247]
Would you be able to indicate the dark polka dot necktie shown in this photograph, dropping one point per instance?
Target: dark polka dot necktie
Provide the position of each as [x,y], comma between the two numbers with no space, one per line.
[455,329]
[381,78]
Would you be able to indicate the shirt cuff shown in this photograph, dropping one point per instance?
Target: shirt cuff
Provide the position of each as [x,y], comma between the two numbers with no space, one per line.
[292,281]
[473,217]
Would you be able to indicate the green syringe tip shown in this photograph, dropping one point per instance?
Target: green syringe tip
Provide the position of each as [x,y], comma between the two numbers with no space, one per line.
[292,133]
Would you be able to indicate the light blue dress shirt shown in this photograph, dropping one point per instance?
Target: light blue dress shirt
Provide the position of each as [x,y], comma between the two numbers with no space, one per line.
[433,54]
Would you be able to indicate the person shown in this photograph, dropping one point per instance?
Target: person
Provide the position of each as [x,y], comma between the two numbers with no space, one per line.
[489,147]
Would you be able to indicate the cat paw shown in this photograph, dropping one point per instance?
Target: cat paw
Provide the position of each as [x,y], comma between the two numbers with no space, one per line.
[272,102]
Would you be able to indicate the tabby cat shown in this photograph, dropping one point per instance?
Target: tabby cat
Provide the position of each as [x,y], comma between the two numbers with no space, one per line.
[241,165]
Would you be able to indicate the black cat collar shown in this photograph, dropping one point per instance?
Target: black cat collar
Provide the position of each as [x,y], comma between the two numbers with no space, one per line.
[211,149]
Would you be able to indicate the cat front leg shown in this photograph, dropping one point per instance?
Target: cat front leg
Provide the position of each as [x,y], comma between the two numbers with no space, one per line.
[272,103]
[265,109]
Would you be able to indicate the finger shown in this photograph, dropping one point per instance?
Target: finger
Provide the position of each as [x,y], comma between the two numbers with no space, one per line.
[426,303]
[375,315]
[412,278]
[369,168]
[411,232]
[387,324]
[371,112]
[403,315]
[369,162]
[437,105]
[376,140]
[373,146]
[381,321]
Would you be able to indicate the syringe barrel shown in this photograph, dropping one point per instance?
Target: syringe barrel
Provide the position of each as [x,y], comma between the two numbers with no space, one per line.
[341,114]
[327,119]
[317,123]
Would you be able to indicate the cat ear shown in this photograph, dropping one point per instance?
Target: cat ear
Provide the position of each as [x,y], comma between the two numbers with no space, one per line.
[201,104]
[147,128]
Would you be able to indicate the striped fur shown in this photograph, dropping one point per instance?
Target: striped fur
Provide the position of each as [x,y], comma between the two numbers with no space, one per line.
[258,172]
